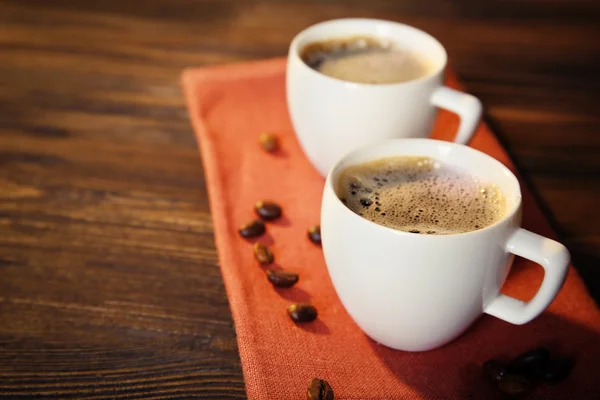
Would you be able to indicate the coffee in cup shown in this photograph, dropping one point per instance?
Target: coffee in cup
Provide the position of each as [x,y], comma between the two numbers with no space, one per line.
[417,292]
[420,195]
[354,82]
[366,59]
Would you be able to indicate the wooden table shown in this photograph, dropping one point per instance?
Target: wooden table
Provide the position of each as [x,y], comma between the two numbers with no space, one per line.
[109,283]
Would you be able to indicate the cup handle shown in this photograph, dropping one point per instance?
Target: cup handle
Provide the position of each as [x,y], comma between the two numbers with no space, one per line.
[467,107]
[553,257]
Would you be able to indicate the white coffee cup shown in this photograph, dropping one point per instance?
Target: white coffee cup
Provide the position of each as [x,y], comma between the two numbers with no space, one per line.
[332,117]
[417,292]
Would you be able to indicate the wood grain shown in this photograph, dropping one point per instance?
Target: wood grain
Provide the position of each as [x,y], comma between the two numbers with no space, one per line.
[109,283]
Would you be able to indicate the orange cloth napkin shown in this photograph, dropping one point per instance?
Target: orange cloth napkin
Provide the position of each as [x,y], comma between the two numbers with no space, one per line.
[229,107]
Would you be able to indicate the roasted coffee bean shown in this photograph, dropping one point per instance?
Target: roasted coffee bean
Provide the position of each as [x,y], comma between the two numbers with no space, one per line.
[262,254]
[252,229]
[267,210]
[557,369]
[269,142]
[494,370]
[314,234]
[319,389]
[302,312]
[529,363]
[282,279]
[514,385]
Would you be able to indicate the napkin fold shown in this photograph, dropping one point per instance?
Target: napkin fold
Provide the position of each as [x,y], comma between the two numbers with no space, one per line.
[229,107]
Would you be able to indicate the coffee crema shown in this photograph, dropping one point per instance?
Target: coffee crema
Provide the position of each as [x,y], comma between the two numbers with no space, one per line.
[420,195]
[365,59]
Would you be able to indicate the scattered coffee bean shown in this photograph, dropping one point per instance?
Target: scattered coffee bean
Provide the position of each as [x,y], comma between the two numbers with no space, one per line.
[556,369]
[262,254]
[529,363]
[282,279]
[314,234]
[302,312]
[514,385]
[522,373]
[252,229]
[494,370]
[365,202]
[267,210]
[319,389]
[269,142]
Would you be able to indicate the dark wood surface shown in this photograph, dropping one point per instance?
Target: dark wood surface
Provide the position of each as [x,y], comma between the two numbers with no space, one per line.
[109,283]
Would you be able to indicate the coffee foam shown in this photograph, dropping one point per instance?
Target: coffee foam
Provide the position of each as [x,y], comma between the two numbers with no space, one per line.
[377,66]
[420,195]
[365,60]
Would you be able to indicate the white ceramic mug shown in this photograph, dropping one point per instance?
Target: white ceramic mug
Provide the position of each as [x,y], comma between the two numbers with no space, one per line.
[416,292]
[332,117]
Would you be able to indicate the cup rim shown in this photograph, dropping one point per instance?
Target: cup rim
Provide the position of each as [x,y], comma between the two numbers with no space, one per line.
[509,215]
[295,53]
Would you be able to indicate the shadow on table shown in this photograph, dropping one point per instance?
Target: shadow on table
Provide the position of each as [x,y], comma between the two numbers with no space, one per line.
[265,239]
[281,221]
[454,371]
[318,327]
[294,294]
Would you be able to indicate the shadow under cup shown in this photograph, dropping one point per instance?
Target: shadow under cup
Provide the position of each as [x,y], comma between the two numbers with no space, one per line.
[410,291]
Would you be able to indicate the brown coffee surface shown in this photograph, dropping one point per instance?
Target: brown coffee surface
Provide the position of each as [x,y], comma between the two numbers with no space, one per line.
[365,59]
[420,195]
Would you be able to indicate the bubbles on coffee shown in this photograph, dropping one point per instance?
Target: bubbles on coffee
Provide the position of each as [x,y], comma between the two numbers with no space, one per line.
[420,195]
